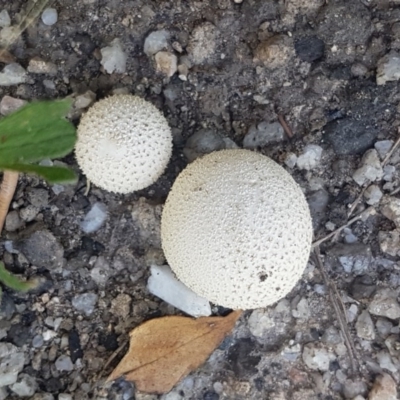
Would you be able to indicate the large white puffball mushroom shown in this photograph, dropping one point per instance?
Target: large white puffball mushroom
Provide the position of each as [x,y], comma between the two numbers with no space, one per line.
[124,143]
[236,229]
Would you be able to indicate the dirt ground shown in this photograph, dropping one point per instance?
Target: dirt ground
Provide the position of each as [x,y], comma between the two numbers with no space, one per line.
[330,70]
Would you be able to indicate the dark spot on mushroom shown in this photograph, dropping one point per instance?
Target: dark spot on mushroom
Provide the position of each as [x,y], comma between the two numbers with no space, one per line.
[278,289]
[263,277]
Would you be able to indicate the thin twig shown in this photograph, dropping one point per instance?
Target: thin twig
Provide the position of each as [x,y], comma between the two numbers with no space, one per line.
[285,126]
[394,147]
[111,358]
[7,190]
[363,214]
[339,311]
[358,199]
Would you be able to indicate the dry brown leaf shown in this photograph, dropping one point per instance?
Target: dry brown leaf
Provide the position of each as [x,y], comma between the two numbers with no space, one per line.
[164,350]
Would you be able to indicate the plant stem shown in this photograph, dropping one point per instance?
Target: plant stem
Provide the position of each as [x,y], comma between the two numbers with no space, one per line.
[7,190]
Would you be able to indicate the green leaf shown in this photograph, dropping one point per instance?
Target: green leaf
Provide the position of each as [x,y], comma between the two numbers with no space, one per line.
[50,174]
[15,283]
[35,132]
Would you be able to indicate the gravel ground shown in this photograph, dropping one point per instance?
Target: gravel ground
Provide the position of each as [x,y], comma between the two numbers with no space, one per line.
[223,72]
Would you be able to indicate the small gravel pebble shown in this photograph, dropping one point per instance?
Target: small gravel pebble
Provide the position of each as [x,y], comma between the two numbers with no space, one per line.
[388,68]
[85,303]
[202,43]
[12,74]
[10,104]
[373,195]
[166,63]
[384,304]
[13,221]
[390,208]
[389,242]
[113,57]
[370,169]
[64,363]
[385,388]
[317,358]
[310,157]
[49,16]
[365,326]
[37,341]
[95,218]
[203,142]
[310,48]
[263,134]
[5,19]
[65,396]
[11,363]
[26,386]
[155,42]
[383,147]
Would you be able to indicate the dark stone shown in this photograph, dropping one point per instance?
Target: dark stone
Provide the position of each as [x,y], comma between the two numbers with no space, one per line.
[211,396]
[90,246]
[7,308]
[241,358]
[259,384]
[334,366]
[42,249]
[362,287]
[310,48]
[350,137]
[85,43]
[109,341]
[18,334]
[52,385]
[74,345]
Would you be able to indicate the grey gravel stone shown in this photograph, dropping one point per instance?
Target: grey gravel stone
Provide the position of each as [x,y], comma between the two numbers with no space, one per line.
[101,271]
[384,304]
[310,157]
[85,303]
[388,173]
[28,213]
[383,147]
[373,195]
[155,42]
[42,249]
[49,16]
[353,388]
[64,363]
[203,142]
[38,197]
[65,396]
[389,242]
[95,218]
[10,104]
[350,137]
[11,363]
[113,58]
[26,386]
[388,68]
[5,19]
[13,221]
[390,208]
[384,327]
[365,326]
[317,357]
[12,74]
[37,341]
[263,134]
[370,169]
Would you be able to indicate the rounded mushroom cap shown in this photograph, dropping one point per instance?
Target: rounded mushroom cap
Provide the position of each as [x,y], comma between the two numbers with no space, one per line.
[124,143]
[236,229]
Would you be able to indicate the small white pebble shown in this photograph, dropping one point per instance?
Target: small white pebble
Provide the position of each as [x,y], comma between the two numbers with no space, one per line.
[49,16]
[5,19]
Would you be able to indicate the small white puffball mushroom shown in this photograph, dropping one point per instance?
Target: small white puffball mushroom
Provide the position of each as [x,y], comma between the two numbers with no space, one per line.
[124,143]
[236,229]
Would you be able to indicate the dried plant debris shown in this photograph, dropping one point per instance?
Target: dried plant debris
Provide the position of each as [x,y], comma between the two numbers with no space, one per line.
[162,351]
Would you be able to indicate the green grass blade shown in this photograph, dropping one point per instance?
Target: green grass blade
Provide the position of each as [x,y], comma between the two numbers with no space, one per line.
[37,131]
[50,174]
[15,283]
